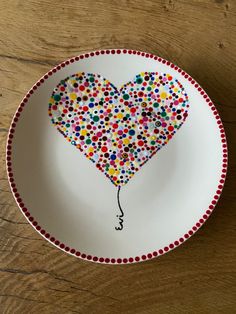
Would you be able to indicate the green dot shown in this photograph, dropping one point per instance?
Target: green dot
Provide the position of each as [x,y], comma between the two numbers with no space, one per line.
[151,83]
[163,114]
[59,119]
[153,142]
[96,118]
[67,125]
[92,99]
[139,80]
[126,96]
[156,105]
[149,88]
[88,141]
[91,79]
[57,97]
[131,150]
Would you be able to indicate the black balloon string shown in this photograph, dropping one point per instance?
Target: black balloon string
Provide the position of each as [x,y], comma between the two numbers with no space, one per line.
[121,211]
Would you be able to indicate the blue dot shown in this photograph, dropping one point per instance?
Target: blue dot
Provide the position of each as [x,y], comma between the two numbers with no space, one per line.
[131,132]
[77,128]
[91,105]
[77,134]
[116,110]
[156,90]
[113,157]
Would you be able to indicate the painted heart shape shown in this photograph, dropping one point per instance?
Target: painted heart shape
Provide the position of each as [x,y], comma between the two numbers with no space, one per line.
[119,130]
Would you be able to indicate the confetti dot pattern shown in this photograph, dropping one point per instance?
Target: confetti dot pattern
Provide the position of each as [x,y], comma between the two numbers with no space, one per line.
[119,130]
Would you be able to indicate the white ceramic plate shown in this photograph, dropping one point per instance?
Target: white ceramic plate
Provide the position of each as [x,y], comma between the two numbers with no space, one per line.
[74,206]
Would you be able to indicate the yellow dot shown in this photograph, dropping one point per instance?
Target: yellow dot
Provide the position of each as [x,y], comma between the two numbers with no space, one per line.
[111,171]
[126,141]
[153,138]
[163,95]
[73,96]
[175,89]
[91,149]
[83,132]
[119,115]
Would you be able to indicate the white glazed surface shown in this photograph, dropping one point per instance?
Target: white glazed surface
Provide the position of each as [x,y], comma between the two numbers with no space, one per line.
[77,204]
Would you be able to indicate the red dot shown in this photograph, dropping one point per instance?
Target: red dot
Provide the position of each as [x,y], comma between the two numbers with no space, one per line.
[81,88]
[170,128]
[104,149]
[140,143]
[115,125]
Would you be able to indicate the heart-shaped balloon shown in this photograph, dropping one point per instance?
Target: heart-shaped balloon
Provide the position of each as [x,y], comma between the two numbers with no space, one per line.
[119,130]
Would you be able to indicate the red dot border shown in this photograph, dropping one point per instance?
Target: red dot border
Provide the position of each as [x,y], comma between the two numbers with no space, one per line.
[106,260]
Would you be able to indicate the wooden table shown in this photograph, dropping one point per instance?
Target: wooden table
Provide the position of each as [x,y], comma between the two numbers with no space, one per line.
[197,35]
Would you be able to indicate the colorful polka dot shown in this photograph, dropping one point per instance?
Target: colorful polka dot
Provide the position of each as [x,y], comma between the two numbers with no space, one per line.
[119,130]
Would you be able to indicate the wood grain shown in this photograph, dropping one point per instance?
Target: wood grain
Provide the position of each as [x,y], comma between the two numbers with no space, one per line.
[198,277]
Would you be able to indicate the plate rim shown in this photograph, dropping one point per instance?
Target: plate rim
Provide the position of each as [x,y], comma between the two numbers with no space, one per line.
[89,257]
